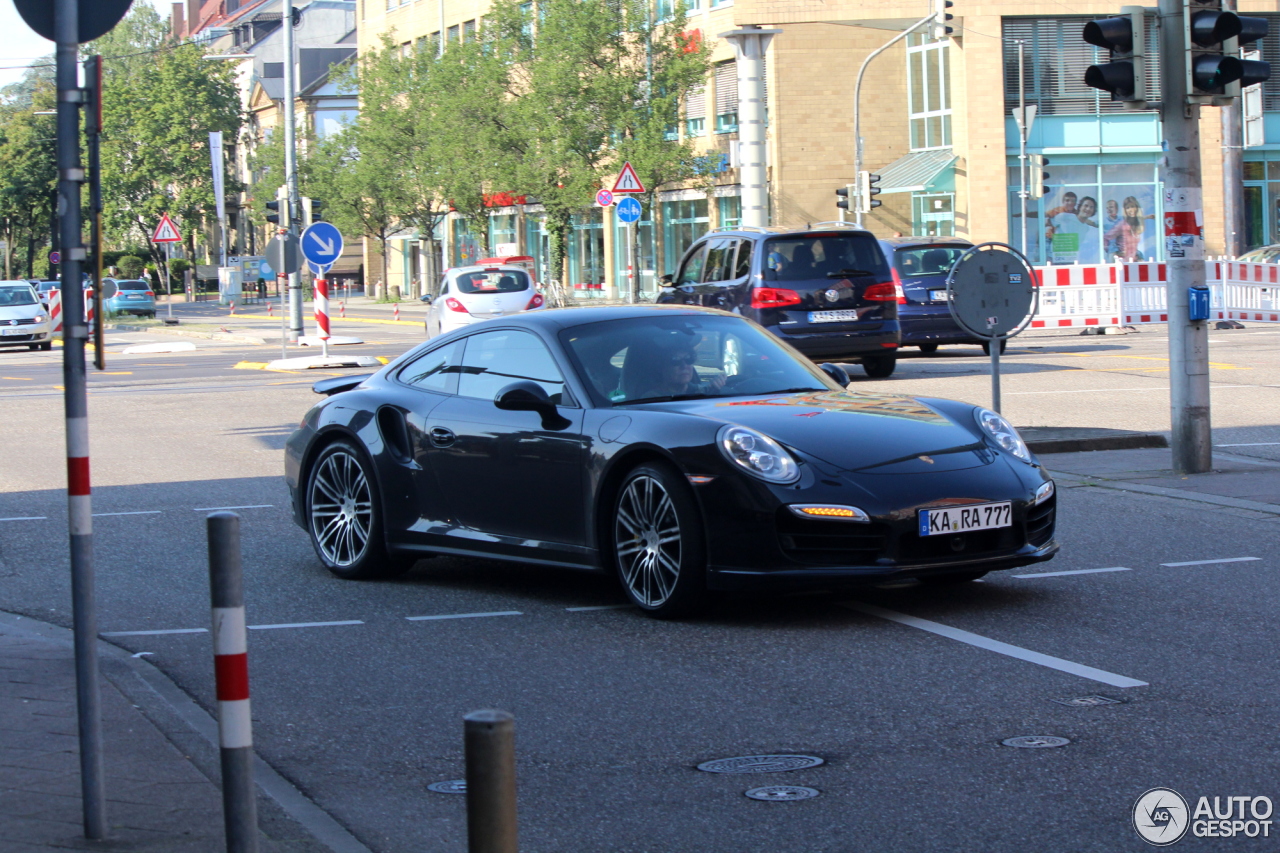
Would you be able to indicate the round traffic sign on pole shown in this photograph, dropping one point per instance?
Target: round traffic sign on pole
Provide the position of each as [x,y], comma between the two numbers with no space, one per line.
[321,244]
[55,258]
[604,198]
[629,210]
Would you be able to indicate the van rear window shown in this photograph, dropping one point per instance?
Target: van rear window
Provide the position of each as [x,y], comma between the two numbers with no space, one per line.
[817,256]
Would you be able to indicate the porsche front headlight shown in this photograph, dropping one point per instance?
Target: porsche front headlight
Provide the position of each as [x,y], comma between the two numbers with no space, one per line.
[758,454]
[1003,432]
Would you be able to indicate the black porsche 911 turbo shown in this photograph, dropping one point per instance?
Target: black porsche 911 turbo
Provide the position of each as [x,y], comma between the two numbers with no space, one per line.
[684,448]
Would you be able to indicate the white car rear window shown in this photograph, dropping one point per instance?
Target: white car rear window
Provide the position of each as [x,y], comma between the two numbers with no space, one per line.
[493,281]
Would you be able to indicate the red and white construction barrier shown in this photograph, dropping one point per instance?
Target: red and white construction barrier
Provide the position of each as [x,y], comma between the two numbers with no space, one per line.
[320,305]
[89,316]
[55,310]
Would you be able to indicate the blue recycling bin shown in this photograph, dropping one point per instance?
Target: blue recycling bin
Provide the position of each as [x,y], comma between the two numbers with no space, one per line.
[1198,303]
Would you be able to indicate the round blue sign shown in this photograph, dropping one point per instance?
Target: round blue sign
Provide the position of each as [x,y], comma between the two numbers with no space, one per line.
[321,244]
[629,210]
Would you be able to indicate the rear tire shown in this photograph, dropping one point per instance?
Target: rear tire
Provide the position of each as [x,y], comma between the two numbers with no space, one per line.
[879,366]
[928,349]
[657,543]
[344,516]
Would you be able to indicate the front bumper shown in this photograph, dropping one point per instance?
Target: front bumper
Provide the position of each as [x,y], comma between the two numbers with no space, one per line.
[35,333]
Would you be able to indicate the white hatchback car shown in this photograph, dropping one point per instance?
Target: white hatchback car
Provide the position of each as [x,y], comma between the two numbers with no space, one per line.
[24,321]
[471,294]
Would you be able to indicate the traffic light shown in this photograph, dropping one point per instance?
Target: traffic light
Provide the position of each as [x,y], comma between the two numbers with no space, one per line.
[1125,75]
[1252,71]
[867,189]
[843,201]
[1038,175]
[312,211]
[280,209]
[941,27]
[1206,27]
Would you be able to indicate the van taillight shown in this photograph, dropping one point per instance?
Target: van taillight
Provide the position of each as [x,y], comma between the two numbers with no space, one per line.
[773,297]
[886,291]
[454,305]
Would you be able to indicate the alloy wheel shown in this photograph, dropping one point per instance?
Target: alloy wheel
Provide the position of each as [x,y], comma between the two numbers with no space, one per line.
[647,533]
[341,509]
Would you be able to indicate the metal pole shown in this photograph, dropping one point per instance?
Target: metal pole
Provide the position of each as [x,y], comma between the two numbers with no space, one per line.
[231,671]
[1022,144]
[1188,342]
[490,742]
[291,167]
[994,346]
[749,46]
[284,333]
[857,102]
[79,510]
[1233,170]
[168,280]
[633,258]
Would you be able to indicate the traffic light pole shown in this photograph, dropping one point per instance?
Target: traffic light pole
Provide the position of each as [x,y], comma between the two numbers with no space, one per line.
[291,168]
[1232,170]
[1188,341]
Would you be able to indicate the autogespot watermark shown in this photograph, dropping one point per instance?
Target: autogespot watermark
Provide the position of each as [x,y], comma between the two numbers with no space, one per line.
[1162,817]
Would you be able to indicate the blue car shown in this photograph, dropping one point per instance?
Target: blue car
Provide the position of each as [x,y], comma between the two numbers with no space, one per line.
[132,296]
[921,266]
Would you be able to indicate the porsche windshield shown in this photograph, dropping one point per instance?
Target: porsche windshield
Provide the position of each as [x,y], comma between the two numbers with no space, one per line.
[685,356]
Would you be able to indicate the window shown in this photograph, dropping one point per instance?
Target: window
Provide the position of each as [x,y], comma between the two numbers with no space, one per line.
[928,93]
[455,34]
[743,268]
[436,370]
[727,97]
[493,360]
[682,223]
[468,31]
[719,265]
[729,211]
[695,112]
[691,272]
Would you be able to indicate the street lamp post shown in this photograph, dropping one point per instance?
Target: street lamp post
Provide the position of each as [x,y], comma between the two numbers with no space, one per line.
[291,167]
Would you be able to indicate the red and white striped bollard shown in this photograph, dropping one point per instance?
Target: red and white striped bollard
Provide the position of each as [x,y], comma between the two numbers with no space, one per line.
[395,315]
[321,307]
[231,672]
[233,308]
[268,309]
[342,310]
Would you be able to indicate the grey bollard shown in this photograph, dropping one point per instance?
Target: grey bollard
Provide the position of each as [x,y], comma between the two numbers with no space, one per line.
[490,742]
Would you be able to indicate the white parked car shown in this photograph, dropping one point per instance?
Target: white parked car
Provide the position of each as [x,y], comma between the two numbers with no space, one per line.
[24,321]
[471,294]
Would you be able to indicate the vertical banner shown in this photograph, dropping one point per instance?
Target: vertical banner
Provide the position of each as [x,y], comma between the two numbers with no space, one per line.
[215,154]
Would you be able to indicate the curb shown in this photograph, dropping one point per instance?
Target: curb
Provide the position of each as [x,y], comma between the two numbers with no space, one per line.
[310,816]
[181,333]
[1084,439]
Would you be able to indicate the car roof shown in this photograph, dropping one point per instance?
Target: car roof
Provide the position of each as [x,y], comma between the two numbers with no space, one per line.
[901,242]
[779,230]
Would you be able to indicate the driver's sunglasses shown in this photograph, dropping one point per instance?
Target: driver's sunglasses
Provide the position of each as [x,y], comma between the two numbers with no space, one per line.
[683,358]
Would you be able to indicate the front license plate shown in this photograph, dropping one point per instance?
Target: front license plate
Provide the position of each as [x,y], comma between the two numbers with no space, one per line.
[832,316]
[961,519]
[10,332]
[938,295]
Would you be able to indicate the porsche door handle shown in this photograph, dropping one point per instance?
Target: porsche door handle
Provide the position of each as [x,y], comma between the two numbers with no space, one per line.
[441,437]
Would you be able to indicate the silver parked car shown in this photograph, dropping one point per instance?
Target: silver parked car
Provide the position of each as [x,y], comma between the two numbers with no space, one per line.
[24,321]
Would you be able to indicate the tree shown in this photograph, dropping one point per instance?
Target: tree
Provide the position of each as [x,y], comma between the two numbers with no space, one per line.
[160,101]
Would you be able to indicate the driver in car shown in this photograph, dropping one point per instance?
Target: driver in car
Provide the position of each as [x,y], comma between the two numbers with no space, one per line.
[660,369]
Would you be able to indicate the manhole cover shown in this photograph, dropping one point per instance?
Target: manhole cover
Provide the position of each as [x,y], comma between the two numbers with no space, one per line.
[453,786]
[760,764]
[1035,741]
[782,793]
[1088,701]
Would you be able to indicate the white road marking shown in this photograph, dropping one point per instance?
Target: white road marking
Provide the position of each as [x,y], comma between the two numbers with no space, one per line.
[464,615]
[600,607]
[304,625]
[155,633]
[143,512]
[26,518]
[220,508]
[989,644]
[1123,390]
[1213,562]
[1254,444]
[1076,572]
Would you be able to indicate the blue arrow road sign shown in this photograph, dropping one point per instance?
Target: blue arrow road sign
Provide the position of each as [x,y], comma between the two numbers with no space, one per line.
[321,244]
[629,210]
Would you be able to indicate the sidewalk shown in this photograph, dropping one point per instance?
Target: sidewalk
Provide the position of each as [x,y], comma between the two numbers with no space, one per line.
[160,770]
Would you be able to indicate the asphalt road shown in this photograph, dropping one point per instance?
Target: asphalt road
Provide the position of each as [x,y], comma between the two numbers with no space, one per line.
[614,711]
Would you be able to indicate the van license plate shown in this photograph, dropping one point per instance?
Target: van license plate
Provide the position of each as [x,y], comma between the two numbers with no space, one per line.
[961,519]
[938,295]
[832,316]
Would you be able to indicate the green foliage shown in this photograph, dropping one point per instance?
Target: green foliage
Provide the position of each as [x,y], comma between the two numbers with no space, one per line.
[28,175]
[178,266]
[130,266]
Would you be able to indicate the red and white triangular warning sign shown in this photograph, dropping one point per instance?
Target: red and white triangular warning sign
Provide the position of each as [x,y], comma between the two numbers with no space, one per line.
[627,181]
[166,231]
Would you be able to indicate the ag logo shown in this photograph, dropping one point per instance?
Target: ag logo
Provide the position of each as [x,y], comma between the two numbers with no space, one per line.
[1160,816]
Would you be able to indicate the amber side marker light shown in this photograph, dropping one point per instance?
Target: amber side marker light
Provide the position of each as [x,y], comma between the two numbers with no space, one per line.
[832,511]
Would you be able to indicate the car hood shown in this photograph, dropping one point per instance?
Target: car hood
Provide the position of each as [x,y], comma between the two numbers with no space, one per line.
[854,431]
[20,312]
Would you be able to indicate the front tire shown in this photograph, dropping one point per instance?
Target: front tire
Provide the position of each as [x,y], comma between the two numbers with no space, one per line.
[657,543]
[879,366]
[344,514]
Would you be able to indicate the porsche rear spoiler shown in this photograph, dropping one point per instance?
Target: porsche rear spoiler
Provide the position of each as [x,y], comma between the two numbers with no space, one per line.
[338,384]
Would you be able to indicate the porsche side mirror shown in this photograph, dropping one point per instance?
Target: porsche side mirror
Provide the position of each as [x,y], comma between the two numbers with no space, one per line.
[526,396]
[426,297]
[836,372]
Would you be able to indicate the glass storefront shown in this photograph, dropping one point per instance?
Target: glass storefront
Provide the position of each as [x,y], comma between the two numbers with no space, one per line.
[622,257]
[682,222]
[586,253]
[1091,213]
[502,233]
[537,244]
[464,248]
[729,211]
